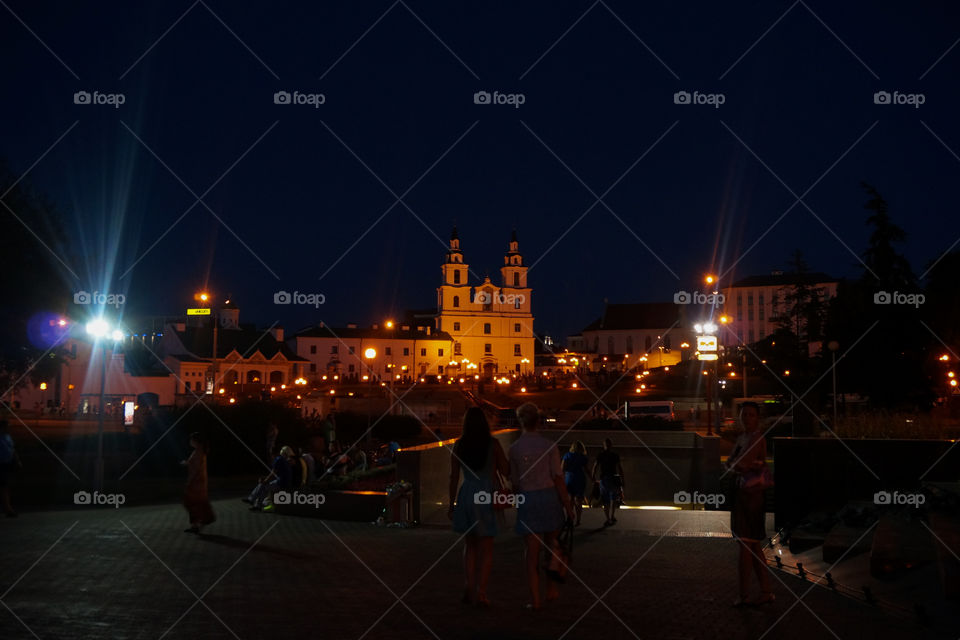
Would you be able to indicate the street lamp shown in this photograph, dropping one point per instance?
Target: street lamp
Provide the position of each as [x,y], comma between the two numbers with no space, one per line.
[707,349]
[370,353]
[834,346]
[99,329]
[203,297]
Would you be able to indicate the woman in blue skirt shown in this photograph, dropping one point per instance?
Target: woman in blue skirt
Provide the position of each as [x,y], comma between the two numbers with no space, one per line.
[478,457]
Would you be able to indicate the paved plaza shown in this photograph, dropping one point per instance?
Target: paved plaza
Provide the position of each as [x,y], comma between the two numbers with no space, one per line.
[132,573]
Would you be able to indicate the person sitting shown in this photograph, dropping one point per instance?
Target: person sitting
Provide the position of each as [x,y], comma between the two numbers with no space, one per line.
[278,479]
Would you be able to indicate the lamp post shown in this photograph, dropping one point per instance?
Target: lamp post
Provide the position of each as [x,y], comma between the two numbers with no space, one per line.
[707,348]
[370,354]
[99,329]
[834,346]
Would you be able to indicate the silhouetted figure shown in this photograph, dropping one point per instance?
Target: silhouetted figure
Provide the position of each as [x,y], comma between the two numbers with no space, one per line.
[575,475]
[9,461]
[747,517]
[610,473]
[195,497]
[479,457]
[541,497]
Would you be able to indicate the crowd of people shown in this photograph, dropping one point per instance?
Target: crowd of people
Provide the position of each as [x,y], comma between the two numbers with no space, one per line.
[549,492]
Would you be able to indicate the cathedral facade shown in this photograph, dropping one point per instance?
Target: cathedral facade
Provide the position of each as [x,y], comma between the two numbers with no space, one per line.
[491,326]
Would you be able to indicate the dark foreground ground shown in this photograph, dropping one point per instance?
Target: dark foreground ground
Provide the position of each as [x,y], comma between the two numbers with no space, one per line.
[133,573]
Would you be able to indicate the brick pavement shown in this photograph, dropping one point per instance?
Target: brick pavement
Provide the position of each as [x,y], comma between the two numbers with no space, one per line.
[132,573]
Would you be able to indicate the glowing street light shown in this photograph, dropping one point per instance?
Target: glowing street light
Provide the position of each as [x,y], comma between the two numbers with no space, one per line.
[99,329]
[370,353]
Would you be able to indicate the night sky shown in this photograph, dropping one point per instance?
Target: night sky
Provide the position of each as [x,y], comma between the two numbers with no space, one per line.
[290,188]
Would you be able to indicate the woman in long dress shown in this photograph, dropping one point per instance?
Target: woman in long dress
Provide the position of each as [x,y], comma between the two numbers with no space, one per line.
[195,497]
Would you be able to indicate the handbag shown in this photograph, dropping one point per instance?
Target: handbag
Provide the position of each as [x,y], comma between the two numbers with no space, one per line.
[762,478]
[505,498]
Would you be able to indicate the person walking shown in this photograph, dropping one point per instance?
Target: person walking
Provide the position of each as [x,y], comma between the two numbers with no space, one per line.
[610,473]
[541,499]
[747,518]
[478,458]
[9,461]
[575,475]
[195,496]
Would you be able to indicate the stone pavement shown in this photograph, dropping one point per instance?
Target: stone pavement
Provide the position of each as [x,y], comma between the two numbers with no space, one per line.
[131,573]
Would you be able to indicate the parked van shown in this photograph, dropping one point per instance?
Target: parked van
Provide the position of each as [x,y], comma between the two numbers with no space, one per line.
[637,408]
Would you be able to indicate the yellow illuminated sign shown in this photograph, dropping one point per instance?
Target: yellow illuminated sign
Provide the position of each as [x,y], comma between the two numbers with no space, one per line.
[198,312]
[706,343]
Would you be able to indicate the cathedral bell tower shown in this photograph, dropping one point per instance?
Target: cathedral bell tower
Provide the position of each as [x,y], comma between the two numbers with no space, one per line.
[454,293]
[513,275]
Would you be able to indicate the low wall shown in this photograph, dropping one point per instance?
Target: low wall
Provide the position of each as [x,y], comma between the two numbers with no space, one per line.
[656,464]
[824,474]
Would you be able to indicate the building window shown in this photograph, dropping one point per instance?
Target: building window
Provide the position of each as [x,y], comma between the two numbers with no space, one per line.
[406,351]
[751,336]
[440,370]
[313,348]
[516,279]
[516,350]
[186,386]
[456,349]
[516,327]
[333,349]
[313,368]
[423,353]
[456,277]
[666,343]
[750,299]
[647,344]
[388,351]
[629,344]
[456,326]
[456,301]
[351,350]
[487,301]
[350,369]
[486,327]
[488,348]
[517,368]
[610,344]
[440,352]
[516,303]
[750,315]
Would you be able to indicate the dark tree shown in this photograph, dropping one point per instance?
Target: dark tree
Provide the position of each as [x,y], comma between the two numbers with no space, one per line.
[34,282]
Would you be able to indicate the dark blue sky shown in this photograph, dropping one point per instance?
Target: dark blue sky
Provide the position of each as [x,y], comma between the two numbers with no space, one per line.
[801,98]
